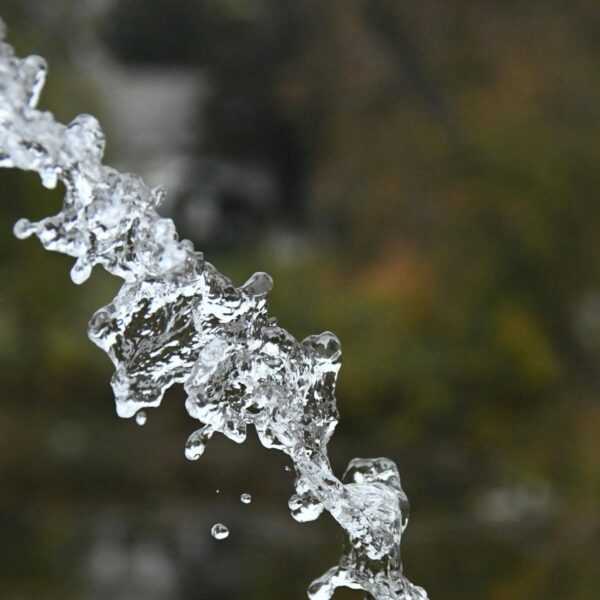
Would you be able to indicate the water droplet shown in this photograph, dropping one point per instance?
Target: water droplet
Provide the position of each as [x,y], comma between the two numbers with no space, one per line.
[218,491]
[81,271]
[196,443]
[23,228]
[305,507]
[287,468]
[141,417]
[246,498]
[219,531]
[325,345]
[259,285]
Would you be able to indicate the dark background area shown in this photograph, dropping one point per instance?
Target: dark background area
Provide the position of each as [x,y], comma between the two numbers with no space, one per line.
[422,178]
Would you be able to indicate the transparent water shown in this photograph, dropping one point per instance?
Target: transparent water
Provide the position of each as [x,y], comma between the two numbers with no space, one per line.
[177,320]
[219,531]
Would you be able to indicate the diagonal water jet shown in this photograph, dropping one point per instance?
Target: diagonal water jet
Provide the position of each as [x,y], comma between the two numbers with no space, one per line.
[176,319]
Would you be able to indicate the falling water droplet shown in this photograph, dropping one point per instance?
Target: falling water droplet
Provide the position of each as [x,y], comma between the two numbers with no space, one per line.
[246,498]
[218,491]
[196,444]
[287,468]
[141,417]
[219,531]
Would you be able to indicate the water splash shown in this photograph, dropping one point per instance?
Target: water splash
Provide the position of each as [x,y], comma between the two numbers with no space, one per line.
[176,319]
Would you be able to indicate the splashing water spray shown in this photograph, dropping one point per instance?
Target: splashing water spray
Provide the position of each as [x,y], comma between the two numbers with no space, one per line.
[176,319]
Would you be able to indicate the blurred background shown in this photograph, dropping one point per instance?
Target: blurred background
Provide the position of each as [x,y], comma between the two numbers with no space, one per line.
[420,177]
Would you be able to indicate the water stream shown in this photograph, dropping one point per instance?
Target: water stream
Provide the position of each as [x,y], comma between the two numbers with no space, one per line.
[177,320]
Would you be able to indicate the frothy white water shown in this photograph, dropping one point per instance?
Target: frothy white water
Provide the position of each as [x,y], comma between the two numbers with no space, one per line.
[176,319]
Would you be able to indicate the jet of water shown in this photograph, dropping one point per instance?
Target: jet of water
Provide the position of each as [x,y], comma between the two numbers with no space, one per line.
[176,319]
